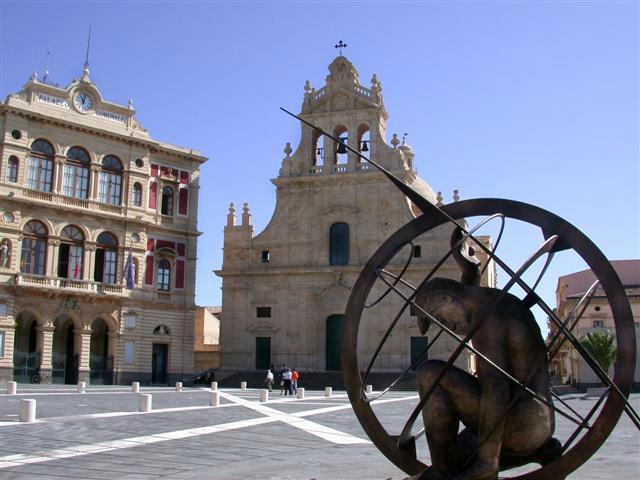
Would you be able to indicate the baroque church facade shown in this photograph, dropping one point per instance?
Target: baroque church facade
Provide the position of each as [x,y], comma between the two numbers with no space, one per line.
[285,290]
[99,239]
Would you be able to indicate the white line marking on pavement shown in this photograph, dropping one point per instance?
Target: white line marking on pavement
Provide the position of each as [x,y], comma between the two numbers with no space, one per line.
[9,461]
[326,433]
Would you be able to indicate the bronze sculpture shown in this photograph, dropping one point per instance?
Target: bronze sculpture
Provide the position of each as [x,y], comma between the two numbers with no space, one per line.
[478,451]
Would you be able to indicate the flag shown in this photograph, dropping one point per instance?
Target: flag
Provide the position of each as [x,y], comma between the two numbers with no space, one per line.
[128,273]
[76,269]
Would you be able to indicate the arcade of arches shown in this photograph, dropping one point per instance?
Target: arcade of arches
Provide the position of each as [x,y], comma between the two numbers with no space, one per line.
[63,350]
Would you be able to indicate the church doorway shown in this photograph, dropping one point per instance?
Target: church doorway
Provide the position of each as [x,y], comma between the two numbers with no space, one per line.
[64,360]
[263,353]
[25,358]
[100,362]
[334,340]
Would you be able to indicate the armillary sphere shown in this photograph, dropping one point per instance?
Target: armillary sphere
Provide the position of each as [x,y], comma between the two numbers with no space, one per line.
[592,429]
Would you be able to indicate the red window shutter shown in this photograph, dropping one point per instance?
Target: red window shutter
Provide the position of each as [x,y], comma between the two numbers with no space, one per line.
[166,244]
[183,205]
[148,273]
[153,194]
[180,274]
[151,243]
[154,170]
[182,248]
[184,177]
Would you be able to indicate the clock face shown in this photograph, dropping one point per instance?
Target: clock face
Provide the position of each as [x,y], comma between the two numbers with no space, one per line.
[82,102]
[8,217]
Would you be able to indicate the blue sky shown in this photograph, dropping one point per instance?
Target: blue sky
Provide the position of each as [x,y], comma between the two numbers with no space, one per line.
[533,101]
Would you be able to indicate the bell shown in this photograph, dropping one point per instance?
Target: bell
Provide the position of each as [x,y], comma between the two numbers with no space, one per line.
[341,146]
[318,152]
[365,147]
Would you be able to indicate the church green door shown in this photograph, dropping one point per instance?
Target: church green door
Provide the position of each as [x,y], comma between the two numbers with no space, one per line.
[334,334]
[263,353]
[418,347]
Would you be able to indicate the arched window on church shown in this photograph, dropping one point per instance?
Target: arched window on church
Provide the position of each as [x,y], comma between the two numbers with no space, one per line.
[339,244]
[317,155]
[166,207]
[364,140]
[341,154]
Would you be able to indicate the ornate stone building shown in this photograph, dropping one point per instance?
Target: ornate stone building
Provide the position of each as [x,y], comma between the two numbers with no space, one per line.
[99,238]
[285,290]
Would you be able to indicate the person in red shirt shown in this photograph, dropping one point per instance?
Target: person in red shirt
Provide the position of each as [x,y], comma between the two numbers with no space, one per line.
[294,380]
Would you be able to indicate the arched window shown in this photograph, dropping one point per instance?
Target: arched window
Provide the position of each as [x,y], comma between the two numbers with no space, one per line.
[34,248]
[364,140]
[164,275]
[318,149]
[339,244]
[110,180]
[75,182]
[137,195]
[40,166]
[341,154]
[166,207]
[12,169]
[106,258]
[71,253]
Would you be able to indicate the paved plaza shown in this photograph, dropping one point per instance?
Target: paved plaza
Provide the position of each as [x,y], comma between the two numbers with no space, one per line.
[101,435]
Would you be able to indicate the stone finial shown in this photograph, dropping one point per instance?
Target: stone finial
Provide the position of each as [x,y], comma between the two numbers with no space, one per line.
[307,87]
[34,77]
[439,198]
[395,141]
[231,216]
[404,138]
[456,196]
[287,150]
[246,216]
[85,72]
[130,104]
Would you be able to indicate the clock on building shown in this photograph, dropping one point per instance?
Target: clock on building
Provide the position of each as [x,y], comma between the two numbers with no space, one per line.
[82,101]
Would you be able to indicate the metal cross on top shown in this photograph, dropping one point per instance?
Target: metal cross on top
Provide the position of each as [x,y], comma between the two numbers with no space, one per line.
[340,46]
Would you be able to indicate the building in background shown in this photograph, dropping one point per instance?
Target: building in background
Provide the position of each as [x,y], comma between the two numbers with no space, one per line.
[285,290]
[99,238]
[207,338]
[568,365]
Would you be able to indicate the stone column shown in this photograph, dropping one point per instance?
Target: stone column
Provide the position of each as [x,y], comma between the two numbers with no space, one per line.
[53,251]
[57,174]
[45,350]
[82,349]
[93,182]
[89,259]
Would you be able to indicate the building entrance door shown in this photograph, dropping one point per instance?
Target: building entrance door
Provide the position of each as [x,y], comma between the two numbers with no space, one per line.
[263,353]
[159,363]
[334,340]
[418,349]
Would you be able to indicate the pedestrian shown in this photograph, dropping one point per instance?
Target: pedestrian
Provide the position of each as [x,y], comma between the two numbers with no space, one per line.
[294,380]
[269,380]
[286,377]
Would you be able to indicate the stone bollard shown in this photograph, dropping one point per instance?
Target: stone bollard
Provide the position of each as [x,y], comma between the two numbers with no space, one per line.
[264,395]
[135,387]
[12,388]
[27,410]
[243,385]
[328,391]
[214,399]
[214,386]
[81,388]
[369,388]
[300,394]
[144,402]
[178,386]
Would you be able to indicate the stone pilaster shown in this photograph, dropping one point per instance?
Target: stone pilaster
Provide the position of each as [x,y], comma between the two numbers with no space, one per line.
[45,349]
[83,350]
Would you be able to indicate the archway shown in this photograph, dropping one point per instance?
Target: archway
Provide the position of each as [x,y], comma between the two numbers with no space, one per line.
[64,358]
[26,360]
[100,361]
